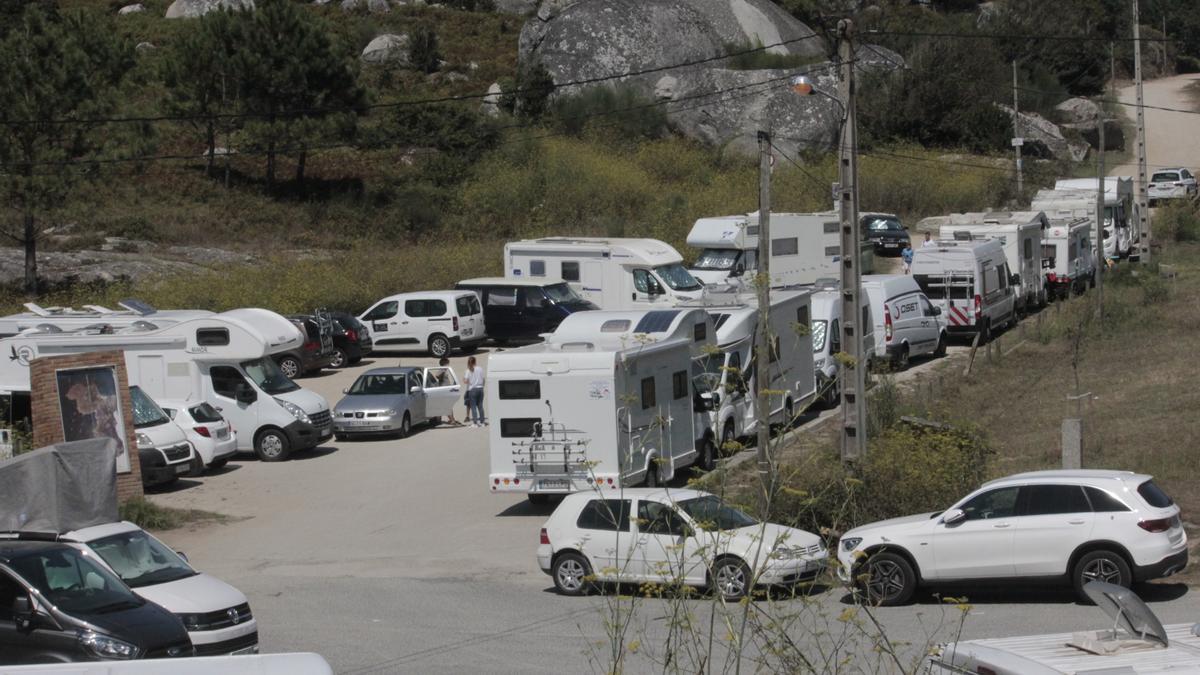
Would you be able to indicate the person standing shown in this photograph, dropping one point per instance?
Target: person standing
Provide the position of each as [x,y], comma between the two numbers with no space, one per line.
[474,395]
[444,380]
[928,241]
[906,257]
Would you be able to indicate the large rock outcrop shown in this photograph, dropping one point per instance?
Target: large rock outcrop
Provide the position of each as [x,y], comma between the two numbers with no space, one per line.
[1045,138]
[386,48]
[193,9]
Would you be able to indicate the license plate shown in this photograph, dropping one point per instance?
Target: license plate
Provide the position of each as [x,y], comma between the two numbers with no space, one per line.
[222,433]
[467,332]
[182,468]
[554,484]
[890,245]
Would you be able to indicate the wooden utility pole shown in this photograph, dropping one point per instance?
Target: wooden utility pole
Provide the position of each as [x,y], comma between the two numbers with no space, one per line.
[1142,201]
[1100,184]
[1017,134]
[854,374]
[762,336]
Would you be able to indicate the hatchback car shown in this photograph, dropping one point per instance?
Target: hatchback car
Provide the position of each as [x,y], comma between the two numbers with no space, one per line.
[1064,526]
[885,232]
[393,400]
[351,340]
[208,432]
[315,353]
[671,536]
[1176,183]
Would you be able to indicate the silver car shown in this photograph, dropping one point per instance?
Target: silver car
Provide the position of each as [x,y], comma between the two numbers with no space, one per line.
[392,400]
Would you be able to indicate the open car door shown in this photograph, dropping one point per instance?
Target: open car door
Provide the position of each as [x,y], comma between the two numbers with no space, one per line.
[441,391]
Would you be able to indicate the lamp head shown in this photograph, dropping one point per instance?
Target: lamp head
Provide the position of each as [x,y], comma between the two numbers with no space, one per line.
[801,85]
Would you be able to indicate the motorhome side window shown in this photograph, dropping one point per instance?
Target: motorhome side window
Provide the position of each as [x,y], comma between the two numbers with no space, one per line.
[605,514]
[537,268]
[520,389]
[212,337]
[1028,249]
[570,271]
[648,399]
[1049,251]
[785,246]
[700,332]
[384,310]
[802,317]
[423,308]
[679,385]
[225,380]
[519,427]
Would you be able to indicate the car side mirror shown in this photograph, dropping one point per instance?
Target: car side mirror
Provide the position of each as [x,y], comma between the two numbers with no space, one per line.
[244,393]
[22,611]
[935,311]
[182,555]
[414,389]
[953,517]
[344,391]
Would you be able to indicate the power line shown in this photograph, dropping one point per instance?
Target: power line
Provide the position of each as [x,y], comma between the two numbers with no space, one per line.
[1117,102]
[1010,36]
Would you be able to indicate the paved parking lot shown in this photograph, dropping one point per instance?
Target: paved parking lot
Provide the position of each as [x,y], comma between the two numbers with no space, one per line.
[392,556]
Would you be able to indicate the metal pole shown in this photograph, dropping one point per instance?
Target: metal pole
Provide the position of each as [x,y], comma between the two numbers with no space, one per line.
[1017,134]
[1103,262]
[853,377]
[1142,201]
[762,338]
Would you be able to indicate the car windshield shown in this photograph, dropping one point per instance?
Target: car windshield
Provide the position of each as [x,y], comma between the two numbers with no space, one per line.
[884,224]
[710,512]
[146,412]
[717,259]
[266,374]
[375,385]
[75,583]
[563,294]
[817,330]
[141,560]
[1165,177]
[677,277]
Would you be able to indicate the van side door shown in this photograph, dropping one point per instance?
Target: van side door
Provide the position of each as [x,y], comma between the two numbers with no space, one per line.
[646,288]
[534,313]
[500,311]
[382,321]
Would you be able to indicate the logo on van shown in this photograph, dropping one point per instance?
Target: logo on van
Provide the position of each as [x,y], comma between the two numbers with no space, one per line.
[233,615]
[23,354]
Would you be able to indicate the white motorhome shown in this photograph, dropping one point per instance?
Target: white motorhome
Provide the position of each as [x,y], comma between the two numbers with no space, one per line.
[605,402]
[1066,256]
[1020,234]
[727,378]
[970,282]
[826,332]
[613,273]
[69,318]
[804,247]
[224,359]
[1077,199]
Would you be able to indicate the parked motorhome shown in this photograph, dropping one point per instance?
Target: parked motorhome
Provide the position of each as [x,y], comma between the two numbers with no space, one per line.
[1076,198]
[225,359]
[826,332]
[436,322]
[970,282]
[605,402]
[804,247]
[729,375]
[612,273]
[1066,256]
[523,309]
[68,318]
[907,323]
[1020,235]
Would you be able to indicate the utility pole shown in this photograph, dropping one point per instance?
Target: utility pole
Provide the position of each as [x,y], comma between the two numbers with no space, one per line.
[1100,181]
[1017,134]
[1142,202]
[762,337]
[854,375]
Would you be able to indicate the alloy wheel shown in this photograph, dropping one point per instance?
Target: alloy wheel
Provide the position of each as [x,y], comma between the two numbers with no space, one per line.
[731,580]
[570,575]
[886,581]
[1102,569]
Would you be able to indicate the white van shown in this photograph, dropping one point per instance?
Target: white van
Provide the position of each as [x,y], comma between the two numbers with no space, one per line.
[826,331]
[1067,258]
[909,324]
[1020,234]
[164,452]
[613,273]
[437,322]
[969,280]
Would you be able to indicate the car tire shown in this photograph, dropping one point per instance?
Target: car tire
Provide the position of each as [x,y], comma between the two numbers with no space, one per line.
[940,350]
[707,461]
[439,345]
[340,359]
[271,445]
[890,580]
[832,395]
[730,578]
[789,412]
[291,367]
[900,363]
[405,427]
[728,435]
[985,333]
[570,572]
[1102,565]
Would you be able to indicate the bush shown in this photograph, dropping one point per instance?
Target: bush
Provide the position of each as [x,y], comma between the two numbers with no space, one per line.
[1178,221]
[423,50]
[529,95]
[621,111]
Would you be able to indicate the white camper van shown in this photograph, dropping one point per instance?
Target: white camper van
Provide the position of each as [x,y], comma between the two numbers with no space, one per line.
[970,282]
[804,247]
[729,377]
[605,402]
[224,359]
[1020,234]
[1066,256]
[907,324]
[612,273]
[826,331]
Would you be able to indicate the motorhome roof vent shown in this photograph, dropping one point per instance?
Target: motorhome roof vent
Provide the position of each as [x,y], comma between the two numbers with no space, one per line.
[827,284]
[615,326]
[46,328]
[657,321]
[580,346]
[1135,627]
[140,327]
[98,329]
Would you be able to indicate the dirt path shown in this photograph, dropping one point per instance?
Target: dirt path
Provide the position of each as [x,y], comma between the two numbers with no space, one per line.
[1172,138]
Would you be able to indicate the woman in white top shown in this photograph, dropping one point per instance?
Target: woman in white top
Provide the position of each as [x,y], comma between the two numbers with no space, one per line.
[474,395]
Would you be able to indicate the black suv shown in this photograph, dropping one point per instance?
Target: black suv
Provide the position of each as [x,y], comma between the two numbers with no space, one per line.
[351,340]
[57,604]
[885,232]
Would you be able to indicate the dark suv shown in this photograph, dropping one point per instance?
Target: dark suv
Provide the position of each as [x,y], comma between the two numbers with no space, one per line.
[885,231]
[316,352]
[351,340]
[57,604]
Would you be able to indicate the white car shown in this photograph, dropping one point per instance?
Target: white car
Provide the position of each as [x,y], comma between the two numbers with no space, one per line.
[1072,526]
[216,615]
[436,322]
[213,438]
[671,536]
[1171,184]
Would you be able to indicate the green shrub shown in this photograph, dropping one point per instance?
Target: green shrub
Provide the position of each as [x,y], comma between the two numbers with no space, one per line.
[762,59]
[1178,221]
[423,51]
[620,111]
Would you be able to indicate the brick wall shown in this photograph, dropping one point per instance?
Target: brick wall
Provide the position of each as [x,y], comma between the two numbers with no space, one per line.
[47,415]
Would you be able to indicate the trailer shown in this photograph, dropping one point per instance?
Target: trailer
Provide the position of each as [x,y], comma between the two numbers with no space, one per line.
[1020,234]
[1067,257]
[605,402]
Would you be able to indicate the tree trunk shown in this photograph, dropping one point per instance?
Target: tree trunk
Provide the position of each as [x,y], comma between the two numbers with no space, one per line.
[300,160]
[211,132]
[31,279]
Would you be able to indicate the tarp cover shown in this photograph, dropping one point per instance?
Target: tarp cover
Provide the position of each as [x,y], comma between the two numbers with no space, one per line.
[60,488]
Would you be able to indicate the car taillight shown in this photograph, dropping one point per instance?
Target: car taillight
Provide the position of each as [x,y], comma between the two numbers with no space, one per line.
[1052,277]
[978,309]
[1155,525]
[456,323]
[887,323]
[545,537]
[311,346]
[352,335]
[203,431]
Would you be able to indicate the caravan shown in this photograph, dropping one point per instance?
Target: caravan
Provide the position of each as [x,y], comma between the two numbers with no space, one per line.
[1020,234]
[612,273]
[225,359]
[605,402]
[970,282]
[1066,256]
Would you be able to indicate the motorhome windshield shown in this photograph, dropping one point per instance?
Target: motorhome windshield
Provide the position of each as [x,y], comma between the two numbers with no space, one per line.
[268,377]
[71,581]
[141,560]
[146,412]
[563,294]
[817,330]
[677,277]
[712,513]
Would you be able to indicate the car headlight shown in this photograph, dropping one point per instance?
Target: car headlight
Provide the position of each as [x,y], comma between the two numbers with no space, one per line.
[295,410]
[782,552]
[389,412]
[143,441]
[105,647]
[851,543]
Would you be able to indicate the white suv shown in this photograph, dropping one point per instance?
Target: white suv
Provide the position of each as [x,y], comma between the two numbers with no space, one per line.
[1171,184]
[1076,526]
[671,536]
